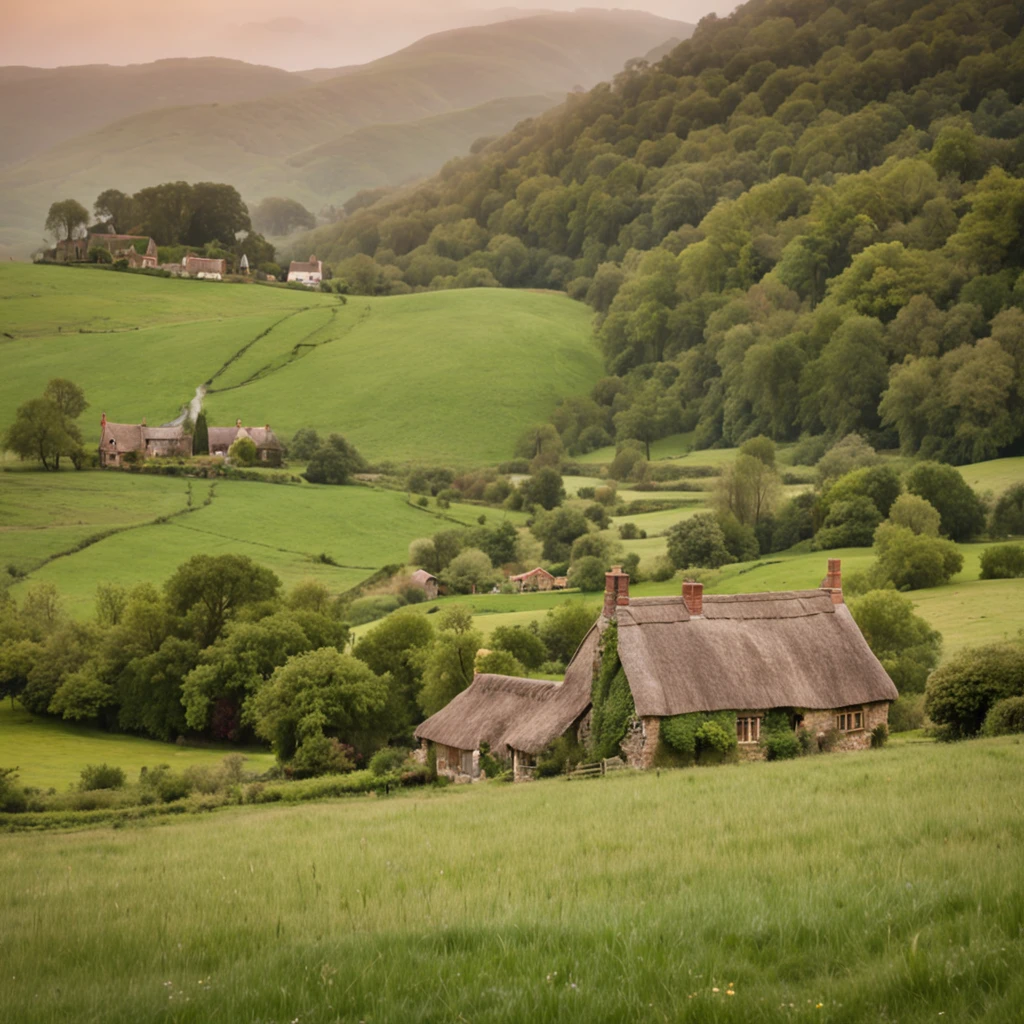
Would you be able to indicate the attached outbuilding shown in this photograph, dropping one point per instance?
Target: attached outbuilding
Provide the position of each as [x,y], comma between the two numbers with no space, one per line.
[269,449]
[425,581]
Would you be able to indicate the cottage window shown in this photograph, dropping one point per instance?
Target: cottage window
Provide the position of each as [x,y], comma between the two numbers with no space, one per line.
[850,721]
[748,729]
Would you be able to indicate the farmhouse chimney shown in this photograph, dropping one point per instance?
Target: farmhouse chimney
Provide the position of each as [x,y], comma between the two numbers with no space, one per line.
[238,423]
[616,590]
[833,581]
[693,597]
[103,421]
[143,420]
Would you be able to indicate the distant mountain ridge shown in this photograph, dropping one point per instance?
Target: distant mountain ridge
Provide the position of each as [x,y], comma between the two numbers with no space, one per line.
[251,141]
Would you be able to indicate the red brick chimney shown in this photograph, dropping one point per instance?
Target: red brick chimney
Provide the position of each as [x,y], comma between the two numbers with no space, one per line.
[103,421]
[616,590]
[833,581]
[693,597]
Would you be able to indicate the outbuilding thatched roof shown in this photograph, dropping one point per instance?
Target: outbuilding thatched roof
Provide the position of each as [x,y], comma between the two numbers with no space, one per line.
[515,714]
[747,651]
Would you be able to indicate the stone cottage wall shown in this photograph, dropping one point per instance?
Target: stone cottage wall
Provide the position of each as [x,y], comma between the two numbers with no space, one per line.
[820,722]
[641,742]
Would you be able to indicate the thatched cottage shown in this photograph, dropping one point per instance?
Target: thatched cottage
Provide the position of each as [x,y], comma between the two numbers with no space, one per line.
[118,439]
[268,448]
[140,251]
[798,654]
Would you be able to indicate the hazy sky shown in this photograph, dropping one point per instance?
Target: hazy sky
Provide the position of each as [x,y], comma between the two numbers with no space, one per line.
[327,33]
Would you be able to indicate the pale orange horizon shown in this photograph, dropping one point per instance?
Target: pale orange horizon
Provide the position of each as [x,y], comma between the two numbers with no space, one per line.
[332,33]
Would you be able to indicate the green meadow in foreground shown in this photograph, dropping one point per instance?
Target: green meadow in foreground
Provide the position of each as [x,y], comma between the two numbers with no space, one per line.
[864,887]
[442,377]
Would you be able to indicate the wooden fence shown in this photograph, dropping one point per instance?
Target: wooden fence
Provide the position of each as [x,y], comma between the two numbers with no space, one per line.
[595,768]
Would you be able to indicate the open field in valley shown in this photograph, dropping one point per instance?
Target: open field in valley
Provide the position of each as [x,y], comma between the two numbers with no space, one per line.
[51,753]
[852,887]
[443,377]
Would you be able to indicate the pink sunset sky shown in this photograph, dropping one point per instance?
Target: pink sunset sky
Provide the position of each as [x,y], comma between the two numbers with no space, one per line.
[329,33]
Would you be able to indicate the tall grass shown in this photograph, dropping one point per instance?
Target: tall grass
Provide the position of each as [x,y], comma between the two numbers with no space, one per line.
[882,886]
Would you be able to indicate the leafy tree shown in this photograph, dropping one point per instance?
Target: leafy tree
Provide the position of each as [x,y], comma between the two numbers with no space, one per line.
[209,589]
[448,665]
[851,453]
[1008,513]
[304,444]
[396,649]
[563,628]
[748,490]
[67,396]
[587,574]
[523,644]
[698,541]
[278,216]
[913,561]
[321,694]
[66,219]
[761,448]
[500,663]
[149,690]
[468,572]
[218,214]
[39,431]
[334,462]
[915,514]
[243,451]
[961,511]
[960,693]
[881,484]
[648,417]
[740,540]
[201,435]
[116,209]
[903,642]
[558,529]
[16,660]
[82,695]
[545,488]
[540,443]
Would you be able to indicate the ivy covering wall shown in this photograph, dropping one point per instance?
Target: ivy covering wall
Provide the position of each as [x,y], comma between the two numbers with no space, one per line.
[612,699]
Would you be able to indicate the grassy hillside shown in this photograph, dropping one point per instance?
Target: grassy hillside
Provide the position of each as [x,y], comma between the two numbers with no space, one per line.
[248,143]
[841,889]
[285,527]
[449,377]
[52,753]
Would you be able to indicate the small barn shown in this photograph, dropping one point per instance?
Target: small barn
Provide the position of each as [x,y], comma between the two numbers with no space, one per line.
[535,579]
[118,439]
[426,582]
[203,266]
[269,449]
[517,718]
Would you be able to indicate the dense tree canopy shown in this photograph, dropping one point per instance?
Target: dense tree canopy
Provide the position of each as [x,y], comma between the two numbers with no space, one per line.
[808,217]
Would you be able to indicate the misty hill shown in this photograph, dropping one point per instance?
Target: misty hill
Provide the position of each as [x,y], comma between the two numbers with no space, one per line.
[802,224]
[43,107]
[249,143]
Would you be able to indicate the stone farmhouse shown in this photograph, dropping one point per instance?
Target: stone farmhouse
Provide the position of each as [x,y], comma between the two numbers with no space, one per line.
[799,652]
[120,247]
[268,448]
[537,579]
[310,273]
[118,439]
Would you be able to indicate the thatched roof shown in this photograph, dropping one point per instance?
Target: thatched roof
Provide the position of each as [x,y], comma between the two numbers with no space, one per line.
[747,651]
[515,714]
[421,576]
[225,437]
[129,437]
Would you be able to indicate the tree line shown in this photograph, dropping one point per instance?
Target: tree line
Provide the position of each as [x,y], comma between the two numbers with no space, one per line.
[805,219]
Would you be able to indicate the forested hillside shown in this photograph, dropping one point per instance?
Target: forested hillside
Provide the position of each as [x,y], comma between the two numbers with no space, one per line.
[807,218]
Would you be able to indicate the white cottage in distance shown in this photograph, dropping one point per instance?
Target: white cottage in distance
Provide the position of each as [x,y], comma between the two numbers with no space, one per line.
[310,273]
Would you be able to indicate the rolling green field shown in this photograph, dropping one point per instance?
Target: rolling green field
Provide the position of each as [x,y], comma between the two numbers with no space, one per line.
[284,527]
[51,753]
[442,377]
[847,888]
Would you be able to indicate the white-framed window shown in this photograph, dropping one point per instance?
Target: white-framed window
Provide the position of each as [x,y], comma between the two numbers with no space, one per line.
[748,728]
[850,721]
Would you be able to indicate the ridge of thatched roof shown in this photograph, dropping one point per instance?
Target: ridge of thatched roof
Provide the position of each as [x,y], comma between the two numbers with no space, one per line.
[510,713]
[794,649]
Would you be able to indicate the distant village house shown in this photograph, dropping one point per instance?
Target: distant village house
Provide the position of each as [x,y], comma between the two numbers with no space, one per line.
[139,250]
[423,580]
[799,654]
[537,579]
[203,267]
[268,448]
[310,273]
[118,439]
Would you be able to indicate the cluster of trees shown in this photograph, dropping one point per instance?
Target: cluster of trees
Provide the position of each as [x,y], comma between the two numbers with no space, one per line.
[222,652]
[44,428]
[179,216]
[278,216]
[804,218]
[913,519]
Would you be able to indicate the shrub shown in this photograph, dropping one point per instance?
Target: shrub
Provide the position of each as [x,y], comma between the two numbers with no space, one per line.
[500,663]
[662,569]
[629,531]
[849,524]
[698,541]
[961,692]
[916,514]
[906,713]
[489,764]
[12,796]
[101,776]
[1008,514]
[523,644]
[1004,717]
[243,452]
[879,736]
[321,755]
[961,511]
[173,787]
[388,761]
[1003,562]
[912,561]
[606,493]
[563,754]
[781,746]
[587,574]
[700,733]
